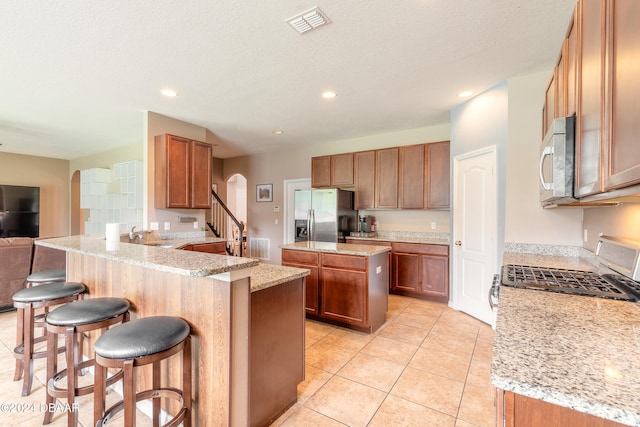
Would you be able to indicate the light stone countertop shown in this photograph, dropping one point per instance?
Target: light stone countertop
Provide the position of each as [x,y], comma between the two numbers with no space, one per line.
[574,351]
[408,237]
[266,275]
[337,248]
[174,261]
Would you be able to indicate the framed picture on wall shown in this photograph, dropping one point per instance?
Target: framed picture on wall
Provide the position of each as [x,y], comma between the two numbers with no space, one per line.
[264,193]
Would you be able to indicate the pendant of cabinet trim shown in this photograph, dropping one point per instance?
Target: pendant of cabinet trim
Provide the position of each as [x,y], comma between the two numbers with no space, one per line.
[182,172]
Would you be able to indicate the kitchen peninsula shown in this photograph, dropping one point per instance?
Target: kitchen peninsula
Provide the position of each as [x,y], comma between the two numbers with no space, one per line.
[247,320]
[348,284]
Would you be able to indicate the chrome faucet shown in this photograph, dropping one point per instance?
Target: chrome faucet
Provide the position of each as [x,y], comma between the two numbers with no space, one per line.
[135,236]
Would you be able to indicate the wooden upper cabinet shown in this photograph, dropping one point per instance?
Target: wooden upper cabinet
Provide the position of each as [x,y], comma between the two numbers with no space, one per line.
[571,55]
[438,179]
[550,103]
[590,21]
[342,170]
[201,165]
[622,152]
[332,171]
[412,174]
[321,172]
[386,186]
[364,165]
[182,172]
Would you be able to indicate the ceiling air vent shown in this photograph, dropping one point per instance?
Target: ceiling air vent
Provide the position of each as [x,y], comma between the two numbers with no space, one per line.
[308,20]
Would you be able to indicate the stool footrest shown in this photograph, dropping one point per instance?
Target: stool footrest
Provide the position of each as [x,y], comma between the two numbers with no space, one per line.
[160,393]
[56,391]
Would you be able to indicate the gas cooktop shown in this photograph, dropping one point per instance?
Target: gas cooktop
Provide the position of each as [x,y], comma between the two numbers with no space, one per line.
[577,282]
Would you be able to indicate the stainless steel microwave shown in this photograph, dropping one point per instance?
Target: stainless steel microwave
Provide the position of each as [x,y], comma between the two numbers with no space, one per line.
[557,162]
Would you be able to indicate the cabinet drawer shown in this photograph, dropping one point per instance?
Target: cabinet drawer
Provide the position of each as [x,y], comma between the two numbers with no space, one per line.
[300,257]
[414,248]
[368,242]
[348,262]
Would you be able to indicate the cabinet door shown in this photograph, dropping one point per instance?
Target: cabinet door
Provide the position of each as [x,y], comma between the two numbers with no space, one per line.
[344,296]
[178,159]
[622,155]
[364,169]
[570,53]
[342,170]
[590,108]
[386,188]
[412,160]
[550,106]
[437,182]
[201,162]
[434,276]
[309,261]
[321,172]
[406,272]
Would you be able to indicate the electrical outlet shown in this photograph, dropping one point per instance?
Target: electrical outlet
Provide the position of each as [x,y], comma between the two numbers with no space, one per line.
[584,236]
[433,225]
[153,226]
[276,221]
[195,225]
[167,226]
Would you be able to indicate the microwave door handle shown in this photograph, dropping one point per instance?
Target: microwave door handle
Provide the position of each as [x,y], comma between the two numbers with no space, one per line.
[546,152]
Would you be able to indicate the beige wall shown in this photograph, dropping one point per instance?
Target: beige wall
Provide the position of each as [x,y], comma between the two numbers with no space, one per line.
[157,124]
[295,163]
[617,221]
[53,178]
[525,220]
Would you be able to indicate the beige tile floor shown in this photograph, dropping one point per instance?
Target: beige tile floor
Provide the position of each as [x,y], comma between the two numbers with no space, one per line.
[428,365]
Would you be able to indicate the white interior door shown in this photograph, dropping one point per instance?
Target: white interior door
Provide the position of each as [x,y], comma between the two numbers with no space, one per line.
[474,232]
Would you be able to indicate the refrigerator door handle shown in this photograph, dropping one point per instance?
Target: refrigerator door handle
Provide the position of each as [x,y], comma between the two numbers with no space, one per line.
[310,225]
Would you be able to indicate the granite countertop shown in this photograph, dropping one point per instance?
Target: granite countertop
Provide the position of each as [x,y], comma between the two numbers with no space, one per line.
[160,258]
[338,248]
[266,275]
[574,351]
[407,237]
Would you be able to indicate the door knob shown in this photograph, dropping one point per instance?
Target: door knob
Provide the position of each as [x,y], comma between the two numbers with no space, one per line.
[458,243]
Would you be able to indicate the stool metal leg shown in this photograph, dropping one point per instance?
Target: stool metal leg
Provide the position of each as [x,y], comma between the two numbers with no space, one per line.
[19,343]
[186,380]
[129,391]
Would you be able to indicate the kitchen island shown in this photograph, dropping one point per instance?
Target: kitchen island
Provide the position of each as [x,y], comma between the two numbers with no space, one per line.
[565,359]
[247,320]
[348,284]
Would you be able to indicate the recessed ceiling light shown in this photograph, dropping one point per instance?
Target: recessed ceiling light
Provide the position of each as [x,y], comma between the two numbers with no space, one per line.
[277,132]
[465,94]
[169,92]
[329,94]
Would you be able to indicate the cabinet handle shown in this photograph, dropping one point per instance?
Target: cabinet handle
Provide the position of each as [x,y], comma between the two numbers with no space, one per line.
[458,243]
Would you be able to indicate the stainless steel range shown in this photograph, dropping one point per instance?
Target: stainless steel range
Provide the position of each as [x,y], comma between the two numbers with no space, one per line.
[622,256]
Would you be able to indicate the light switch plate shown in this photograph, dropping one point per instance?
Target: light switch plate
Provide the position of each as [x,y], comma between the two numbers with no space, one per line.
[153,226]
[195,225]
[167,226]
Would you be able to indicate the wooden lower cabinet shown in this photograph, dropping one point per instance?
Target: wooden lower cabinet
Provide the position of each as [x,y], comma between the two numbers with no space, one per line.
[420,270]
[218,248]
[516,410]
[348,290]
[310,261]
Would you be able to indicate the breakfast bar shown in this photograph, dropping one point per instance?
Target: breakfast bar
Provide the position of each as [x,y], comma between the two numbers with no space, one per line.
[246,318]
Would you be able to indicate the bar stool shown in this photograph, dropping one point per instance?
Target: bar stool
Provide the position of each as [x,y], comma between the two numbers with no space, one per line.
[46,276]
[137,343]
[74,320]
[27,301]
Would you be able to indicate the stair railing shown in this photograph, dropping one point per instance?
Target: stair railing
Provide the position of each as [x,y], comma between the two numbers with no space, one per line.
[226,226]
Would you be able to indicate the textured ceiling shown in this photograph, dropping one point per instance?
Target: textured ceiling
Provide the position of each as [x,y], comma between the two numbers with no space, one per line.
[76,76]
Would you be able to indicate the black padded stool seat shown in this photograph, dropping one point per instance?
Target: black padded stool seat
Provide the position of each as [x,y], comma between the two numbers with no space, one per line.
[74,320]
[27,301]
[141,342]
[47,276]
[50,292]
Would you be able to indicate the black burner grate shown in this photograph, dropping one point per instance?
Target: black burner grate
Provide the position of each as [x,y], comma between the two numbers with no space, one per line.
[566,281]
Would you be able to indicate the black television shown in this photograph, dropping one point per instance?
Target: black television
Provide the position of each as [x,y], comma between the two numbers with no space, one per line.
[19,211]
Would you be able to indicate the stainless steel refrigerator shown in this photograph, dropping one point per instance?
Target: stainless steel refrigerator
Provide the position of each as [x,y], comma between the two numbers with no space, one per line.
[324,215]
